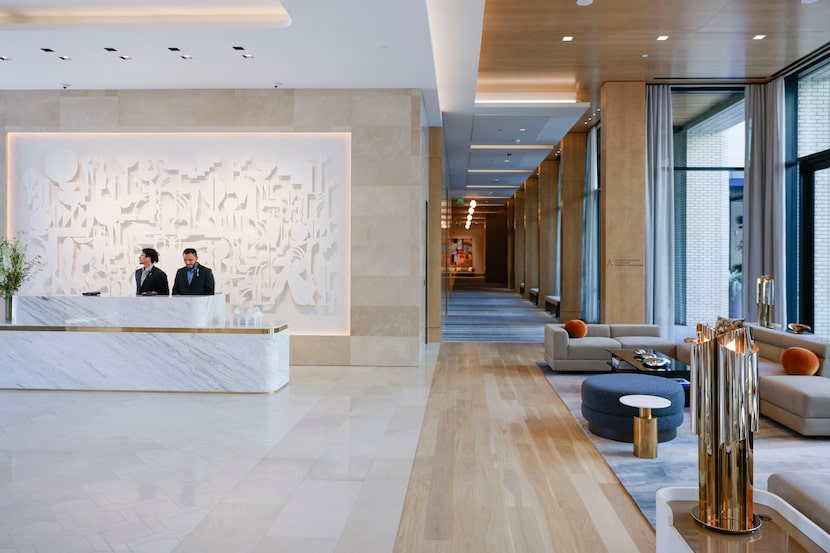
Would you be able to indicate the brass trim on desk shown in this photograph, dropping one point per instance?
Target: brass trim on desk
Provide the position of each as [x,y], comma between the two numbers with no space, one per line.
[147,329]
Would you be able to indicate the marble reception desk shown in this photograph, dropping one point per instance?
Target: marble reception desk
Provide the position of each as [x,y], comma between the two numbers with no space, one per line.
[176,344]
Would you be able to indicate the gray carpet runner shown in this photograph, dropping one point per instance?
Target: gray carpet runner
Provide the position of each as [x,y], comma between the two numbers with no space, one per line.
[481,312]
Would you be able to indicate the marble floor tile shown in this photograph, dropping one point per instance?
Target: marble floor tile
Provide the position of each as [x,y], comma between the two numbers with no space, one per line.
[307,468]
[319,509]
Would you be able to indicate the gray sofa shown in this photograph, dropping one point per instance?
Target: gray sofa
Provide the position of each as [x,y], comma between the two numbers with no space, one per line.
[808,492]
[798,402]
[590,353]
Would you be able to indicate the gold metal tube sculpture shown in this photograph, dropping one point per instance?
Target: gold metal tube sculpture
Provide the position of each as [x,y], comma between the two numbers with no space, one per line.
[724,414]
[765,298]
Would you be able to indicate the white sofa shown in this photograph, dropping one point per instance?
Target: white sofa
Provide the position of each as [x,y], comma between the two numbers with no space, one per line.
[796,401]
[590,354]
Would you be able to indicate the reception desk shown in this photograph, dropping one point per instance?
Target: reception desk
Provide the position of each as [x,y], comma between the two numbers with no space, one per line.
[176,344]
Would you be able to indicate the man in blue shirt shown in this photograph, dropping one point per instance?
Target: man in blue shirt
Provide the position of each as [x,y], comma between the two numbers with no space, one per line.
[193,279]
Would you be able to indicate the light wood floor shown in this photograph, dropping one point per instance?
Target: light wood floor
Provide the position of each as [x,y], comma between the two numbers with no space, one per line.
[502,466]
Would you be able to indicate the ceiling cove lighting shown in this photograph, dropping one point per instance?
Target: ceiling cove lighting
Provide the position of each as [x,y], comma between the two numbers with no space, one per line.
[492,98]
[497,171]
[513,147]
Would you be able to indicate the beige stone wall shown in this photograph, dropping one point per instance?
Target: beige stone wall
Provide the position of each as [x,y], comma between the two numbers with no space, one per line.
[388,186]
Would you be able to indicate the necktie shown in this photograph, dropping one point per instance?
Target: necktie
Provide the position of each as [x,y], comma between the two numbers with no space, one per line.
[190,276]
[144,273]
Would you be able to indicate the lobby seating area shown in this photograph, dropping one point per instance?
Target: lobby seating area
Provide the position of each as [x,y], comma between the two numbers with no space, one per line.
[564,352]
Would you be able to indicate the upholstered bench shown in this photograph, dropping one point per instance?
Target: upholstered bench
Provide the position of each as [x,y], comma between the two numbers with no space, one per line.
[552,305]
[534,296]
[609,418]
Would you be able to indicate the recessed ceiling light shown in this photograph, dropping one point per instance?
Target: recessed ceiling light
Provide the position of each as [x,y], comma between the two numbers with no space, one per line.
[248,56]
[239,48]
[567,39]
[174,49]
[65,58]
[809,1]
[125,58]
[663,37]
[584,2]
[187,57]
[759,37]
[645,55]
[5,58]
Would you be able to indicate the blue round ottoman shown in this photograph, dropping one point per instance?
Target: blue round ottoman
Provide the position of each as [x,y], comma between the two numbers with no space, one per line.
[609,418]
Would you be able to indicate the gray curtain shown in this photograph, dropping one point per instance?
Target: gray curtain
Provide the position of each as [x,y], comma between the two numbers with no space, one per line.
[590,234]
[764,231]
[659,209]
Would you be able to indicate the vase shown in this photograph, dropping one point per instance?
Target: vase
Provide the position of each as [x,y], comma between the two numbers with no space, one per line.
[9,306]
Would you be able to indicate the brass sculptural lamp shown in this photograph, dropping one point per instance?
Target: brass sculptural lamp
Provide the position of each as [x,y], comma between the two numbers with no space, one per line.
[724,413]
[765,298]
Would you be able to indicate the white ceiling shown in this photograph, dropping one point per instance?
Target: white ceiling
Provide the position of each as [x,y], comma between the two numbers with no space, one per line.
[432,45]
[449,49]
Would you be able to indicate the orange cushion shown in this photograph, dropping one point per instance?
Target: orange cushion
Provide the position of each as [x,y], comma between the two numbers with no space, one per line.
[800,361]
[576,328]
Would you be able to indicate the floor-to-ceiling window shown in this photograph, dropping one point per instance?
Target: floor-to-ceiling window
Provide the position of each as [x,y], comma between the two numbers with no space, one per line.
[709,175]
[808,185]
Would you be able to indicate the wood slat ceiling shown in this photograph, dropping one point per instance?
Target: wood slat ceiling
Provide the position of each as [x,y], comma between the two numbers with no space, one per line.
[710,42]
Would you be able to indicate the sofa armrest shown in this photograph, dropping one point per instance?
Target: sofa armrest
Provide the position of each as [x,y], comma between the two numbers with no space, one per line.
[557,338]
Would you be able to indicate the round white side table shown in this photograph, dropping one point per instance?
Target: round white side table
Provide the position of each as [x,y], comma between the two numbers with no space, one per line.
[645,426]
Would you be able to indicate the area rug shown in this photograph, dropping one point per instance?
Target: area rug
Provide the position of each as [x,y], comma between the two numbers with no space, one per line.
[776,448]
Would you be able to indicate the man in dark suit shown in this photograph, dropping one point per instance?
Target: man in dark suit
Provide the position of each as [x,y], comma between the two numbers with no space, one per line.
[193,279]
[149,279]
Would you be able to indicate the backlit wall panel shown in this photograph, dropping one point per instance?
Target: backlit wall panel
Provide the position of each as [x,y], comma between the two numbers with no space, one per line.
[269,212]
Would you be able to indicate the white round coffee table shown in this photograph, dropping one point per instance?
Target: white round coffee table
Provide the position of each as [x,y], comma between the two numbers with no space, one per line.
[645,426]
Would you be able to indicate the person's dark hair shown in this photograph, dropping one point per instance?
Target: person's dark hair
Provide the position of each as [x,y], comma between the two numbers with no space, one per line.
[190,250]
[152,254]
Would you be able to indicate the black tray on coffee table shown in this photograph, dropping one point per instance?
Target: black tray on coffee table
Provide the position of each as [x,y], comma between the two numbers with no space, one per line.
[625,361]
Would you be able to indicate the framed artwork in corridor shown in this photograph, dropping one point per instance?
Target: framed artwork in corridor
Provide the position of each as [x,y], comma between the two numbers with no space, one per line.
[461,253]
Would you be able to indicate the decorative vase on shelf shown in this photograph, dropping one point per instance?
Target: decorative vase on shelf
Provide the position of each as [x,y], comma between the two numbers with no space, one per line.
[9,306]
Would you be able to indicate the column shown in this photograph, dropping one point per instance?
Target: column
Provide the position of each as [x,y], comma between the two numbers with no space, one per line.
[531,235]
[622,203]
[519,238]
[572,167]
[548,227]
[436,276]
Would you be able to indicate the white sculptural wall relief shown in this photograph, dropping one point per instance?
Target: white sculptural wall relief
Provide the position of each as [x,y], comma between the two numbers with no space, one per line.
[268,212]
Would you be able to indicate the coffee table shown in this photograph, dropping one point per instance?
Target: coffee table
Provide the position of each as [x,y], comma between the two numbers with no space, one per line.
[624,361]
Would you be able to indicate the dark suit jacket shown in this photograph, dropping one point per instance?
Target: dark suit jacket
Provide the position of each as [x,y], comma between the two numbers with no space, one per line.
[156,281]
[202,284]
